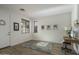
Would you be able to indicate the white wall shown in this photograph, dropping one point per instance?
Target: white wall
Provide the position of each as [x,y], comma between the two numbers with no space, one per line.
[62,20]
[46,35]
[4,29]
[17,36]
[12,16]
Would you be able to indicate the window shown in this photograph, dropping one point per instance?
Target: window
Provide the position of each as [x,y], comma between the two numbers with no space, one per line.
[35,27]
[25,26]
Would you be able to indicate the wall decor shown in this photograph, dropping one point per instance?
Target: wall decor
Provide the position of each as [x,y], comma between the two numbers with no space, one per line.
[48,27]
[76,23]
[42,27]
[55,26]
[16,26]
[2,22]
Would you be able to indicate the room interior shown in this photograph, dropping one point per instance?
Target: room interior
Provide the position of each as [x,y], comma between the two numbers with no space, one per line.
[39,29]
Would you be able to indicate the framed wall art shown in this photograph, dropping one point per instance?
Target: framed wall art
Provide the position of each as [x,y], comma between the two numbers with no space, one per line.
[16,26]
[2,22]
[48,27]
[42,27]
[55,26]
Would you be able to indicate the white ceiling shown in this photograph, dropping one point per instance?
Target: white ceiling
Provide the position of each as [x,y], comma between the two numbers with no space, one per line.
[30,9]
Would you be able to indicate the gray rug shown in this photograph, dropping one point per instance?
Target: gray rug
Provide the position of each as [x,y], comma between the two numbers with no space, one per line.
[33,45]
[50,48]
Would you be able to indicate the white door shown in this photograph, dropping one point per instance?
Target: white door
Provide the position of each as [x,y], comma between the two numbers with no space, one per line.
[4,30]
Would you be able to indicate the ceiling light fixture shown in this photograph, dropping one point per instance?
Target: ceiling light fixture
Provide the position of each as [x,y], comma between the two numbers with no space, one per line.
[21,9]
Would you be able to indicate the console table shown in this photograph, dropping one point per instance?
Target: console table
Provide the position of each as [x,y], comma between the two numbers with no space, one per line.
[68,41]
[71,40]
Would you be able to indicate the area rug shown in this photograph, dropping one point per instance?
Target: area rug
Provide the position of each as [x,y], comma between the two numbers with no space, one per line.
[39,45]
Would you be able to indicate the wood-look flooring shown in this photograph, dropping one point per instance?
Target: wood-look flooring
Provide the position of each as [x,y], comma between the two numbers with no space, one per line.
[20,50]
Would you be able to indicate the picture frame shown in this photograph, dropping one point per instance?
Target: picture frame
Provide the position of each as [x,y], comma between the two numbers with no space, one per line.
[48,27]
[42,27]
[2,22]
[16,26]
[55,26]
